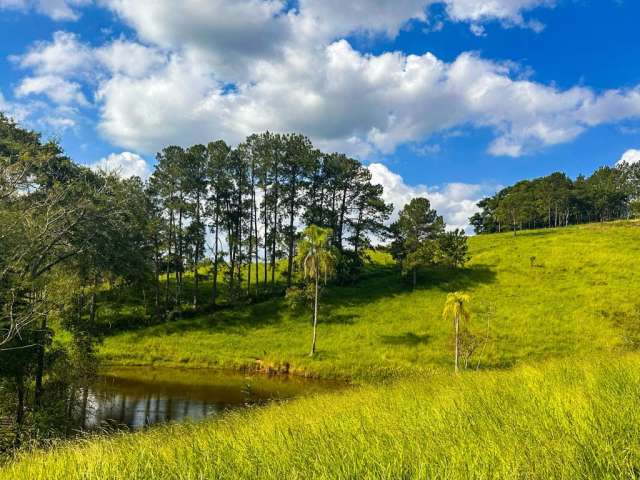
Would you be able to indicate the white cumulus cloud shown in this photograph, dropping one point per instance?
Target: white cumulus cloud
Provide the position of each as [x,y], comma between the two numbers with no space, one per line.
[224,69]
[456,202]
[56,88]
[125,164]
[630,157]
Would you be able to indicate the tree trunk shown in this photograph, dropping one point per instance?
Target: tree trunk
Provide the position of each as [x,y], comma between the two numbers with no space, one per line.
[292,207]
[179,260]
[85,402]
[168,267]
[250,250]
[20,393]
[255,219]
[413,274]
[343,208]
[215,259]
[156,271]
[266,232]
[315,316]
[196,252]
[457,326]
[275,225]
[40,368]
[92,305]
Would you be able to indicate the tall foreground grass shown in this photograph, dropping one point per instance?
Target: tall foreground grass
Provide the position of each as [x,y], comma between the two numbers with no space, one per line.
[557,420]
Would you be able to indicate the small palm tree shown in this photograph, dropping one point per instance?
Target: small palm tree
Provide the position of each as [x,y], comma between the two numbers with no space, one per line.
[456,307]
[317,258]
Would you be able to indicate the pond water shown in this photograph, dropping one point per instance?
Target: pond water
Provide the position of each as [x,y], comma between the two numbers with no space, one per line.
[139,397]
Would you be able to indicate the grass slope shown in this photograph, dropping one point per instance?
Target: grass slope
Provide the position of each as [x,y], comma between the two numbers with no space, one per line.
[558,420]
[574,300]
[558,394]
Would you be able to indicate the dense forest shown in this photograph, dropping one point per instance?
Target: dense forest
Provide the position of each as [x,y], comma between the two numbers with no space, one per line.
[610,193]
[81,250]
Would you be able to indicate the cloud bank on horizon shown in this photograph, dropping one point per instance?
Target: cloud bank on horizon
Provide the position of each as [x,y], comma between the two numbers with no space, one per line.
[235,67]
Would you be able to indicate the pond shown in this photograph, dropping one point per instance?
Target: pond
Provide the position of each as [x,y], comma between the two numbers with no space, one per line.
[138,397]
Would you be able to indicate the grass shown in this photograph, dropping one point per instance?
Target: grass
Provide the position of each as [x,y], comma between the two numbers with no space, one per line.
[556,395]
[557,420]
[573,300]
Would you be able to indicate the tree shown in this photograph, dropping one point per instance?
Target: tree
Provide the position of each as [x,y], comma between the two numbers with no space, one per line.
[220,187]
[316,258]
[453,248]
[296,164]
[456,308]
[417,227]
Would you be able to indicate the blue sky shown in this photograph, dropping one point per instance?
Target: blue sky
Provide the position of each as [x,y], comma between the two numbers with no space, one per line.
[447,98]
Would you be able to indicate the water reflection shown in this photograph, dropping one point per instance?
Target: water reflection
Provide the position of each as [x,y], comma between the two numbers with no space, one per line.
[137,398]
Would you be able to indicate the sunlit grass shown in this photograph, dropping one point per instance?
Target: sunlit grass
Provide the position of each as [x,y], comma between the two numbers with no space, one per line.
[559,420]
[554,392]
[573,299]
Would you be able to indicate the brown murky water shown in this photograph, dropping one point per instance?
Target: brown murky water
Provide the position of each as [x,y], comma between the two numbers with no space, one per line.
[139,397]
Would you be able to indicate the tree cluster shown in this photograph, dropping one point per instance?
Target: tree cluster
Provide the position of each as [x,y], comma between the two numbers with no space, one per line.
[64,229]
[610,193]
[420,239]
[250,203]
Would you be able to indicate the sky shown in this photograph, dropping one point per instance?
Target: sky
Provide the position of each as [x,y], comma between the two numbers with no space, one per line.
[451,99]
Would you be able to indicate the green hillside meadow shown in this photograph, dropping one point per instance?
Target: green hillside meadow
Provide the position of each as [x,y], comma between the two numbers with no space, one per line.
[553,391]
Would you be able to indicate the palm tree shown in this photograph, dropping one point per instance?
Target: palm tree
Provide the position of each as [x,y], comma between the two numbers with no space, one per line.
[456,307]
[316,258]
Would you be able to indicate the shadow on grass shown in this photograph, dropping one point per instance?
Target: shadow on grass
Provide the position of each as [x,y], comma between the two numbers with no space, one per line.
[376,283]
[408,338]
[389,282]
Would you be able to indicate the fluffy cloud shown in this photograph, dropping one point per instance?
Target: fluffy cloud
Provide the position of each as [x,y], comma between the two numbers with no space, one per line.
[55,9]
[630,156]
[456,202]
[56,67]
[12,110]
[509,11]
[227,69]
[65,54]
[227,35]
[125,164]
[57,89]
[330,19]
[122,57]
[353,101]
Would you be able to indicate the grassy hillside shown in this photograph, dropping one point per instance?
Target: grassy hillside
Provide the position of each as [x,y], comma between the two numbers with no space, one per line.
[557,394]
[558,420]
[574,299]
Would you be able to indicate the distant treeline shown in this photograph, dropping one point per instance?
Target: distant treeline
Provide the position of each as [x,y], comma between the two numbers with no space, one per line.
[610,193]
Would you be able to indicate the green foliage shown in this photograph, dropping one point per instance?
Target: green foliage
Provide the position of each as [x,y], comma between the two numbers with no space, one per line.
[456,306]
[556,200]
[300,298]
[420,240]
[315,256]
[634,208]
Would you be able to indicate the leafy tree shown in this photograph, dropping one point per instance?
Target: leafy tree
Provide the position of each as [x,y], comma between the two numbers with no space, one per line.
[453,248]
[220,186]
[415,232]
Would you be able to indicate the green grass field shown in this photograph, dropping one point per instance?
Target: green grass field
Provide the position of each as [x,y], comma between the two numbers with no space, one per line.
[561,420]
[576,299]
[554,392]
